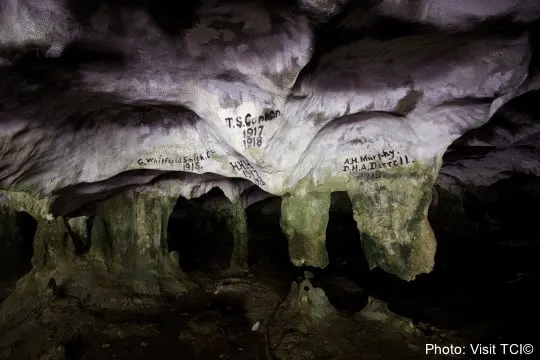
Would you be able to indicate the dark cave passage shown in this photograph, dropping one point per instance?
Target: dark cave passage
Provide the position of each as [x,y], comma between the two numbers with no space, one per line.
[486,269]
[268,248]
[17,248]
[81,235]
[28,226]
[343,241]
[347,272]
[507,207]
[198,230]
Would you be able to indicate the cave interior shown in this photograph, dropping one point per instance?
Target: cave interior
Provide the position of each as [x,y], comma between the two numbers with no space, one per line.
[385,211]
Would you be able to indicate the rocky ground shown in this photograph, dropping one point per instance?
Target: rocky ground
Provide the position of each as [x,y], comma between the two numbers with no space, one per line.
[248,316]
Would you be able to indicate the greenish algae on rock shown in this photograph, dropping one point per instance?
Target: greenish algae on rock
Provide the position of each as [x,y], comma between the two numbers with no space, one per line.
[52,244]
[304,217]
[129,237]
[238,224]
[390,210]
[391,215]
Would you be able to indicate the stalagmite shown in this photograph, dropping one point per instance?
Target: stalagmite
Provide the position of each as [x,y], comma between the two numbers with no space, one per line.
[308,304]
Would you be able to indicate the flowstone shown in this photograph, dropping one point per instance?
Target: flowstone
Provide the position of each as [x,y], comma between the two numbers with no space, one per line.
[127,268]
[53,255]
[53,246]
[391,215]
[390,209]
[304,218]
[128,254]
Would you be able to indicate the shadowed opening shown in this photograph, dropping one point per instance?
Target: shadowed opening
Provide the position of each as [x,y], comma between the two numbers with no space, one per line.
[198,230]
[268,247]
[343,239]
[16,248]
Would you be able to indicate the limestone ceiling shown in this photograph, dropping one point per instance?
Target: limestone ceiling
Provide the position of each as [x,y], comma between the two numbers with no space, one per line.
[119,93]
[113,107]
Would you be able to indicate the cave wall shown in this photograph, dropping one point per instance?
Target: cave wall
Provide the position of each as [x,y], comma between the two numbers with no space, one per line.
[228,101]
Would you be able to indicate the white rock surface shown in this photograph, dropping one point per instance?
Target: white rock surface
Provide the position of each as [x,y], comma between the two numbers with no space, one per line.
[460,14]
[508,145]
[247,100]
[246,120]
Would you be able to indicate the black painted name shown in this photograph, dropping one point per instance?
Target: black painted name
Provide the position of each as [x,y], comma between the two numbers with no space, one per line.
[253,126]
[382,160]
[185,163]
[250,121]
[248,171]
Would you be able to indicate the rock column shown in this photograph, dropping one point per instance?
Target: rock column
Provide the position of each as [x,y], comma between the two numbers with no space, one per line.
[304,218]
[391,215]
[129,235]
[238,224]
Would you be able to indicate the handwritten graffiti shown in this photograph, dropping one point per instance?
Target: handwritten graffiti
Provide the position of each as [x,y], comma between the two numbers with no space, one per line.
[383,160]
[253,136]
[372,175]
[248,120]
[184,163]
[248,171]
[252,126]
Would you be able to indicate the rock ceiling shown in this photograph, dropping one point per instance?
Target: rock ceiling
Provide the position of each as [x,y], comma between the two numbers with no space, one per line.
[295,99]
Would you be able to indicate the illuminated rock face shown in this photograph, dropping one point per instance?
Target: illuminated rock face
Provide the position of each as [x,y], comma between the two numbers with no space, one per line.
[226,102]
[459,14]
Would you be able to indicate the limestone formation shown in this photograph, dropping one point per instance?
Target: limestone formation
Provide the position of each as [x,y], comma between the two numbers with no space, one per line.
[376,313]
[303,220]
[238,224]
[391,215]
[307,304]
[110,114]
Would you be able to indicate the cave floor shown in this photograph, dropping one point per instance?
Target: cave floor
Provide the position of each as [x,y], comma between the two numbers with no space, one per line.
[216,322]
